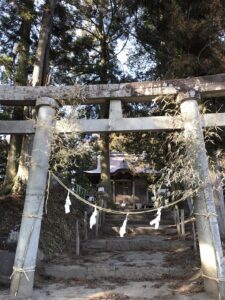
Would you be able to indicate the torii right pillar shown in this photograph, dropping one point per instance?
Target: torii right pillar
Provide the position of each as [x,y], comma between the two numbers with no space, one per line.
[211,254]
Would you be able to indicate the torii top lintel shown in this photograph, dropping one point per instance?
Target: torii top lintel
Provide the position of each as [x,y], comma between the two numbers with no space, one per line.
[208,86]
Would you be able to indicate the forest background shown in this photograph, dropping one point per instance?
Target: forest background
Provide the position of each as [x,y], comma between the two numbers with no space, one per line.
[107,41]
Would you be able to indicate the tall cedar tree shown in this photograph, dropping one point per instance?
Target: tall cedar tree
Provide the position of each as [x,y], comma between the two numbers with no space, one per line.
[183,38]
[20,63]
[85,38]
[40,76]
[91,35]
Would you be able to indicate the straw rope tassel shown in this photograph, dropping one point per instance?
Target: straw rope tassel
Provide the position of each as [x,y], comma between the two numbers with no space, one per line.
[67,203]
[157,219]
[93,218]
[123,227]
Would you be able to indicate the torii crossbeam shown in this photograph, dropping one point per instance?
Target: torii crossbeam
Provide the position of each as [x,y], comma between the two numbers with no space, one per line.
[207,86]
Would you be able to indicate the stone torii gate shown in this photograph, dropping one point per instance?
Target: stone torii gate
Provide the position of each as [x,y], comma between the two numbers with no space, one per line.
[46,99]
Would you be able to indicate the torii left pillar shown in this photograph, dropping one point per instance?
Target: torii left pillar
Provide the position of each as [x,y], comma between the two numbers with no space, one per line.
[27,247]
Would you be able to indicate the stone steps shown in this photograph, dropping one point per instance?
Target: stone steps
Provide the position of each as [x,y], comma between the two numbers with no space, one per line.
[135,243]
[135,265]
[133,272]
[143,254]
[135,220]
[166,215]
[131,230]
[136,224]
[134,229]
[131,219]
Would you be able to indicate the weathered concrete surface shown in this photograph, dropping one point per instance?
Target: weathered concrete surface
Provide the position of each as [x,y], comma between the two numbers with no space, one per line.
[208,86]
[141,290]
[165,269]
[165,273]
[211,252]
[131,230]
[27,246]
[156,123]
[131,266]
[131,243]
[134,229]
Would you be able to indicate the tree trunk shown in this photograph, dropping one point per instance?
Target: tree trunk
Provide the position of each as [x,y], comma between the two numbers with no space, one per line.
[105,159]
[105,137]
[43,43]
[12,164]
[27,15]
[27,18]
[24,162]
[21,72]
[105,167]
[39,77]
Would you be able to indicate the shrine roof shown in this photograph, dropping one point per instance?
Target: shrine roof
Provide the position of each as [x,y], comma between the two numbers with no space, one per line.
[120,161]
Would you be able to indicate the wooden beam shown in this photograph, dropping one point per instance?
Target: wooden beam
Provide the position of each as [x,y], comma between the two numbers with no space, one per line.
[160,123]
[208,86]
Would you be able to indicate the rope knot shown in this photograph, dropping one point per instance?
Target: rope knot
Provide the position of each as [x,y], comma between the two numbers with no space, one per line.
[22,270]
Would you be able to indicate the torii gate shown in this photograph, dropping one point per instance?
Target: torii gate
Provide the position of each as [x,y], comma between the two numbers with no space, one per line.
[188,93]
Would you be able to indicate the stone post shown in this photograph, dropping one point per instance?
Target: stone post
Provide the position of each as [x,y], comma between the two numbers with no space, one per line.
[212,262]
[85,226]
[77,238]
[27,248]
[114,191]
[218,194]
[133,193]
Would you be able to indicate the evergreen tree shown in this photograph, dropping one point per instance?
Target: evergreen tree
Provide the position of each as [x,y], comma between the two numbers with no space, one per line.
[180,38]
[20,65]
[86,37]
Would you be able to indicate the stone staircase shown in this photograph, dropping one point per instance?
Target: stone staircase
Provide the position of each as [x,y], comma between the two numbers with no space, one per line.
[136,225]
[143,254]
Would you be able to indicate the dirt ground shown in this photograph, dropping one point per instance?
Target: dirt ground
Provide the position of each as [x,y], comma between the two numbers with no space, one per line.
[100,289]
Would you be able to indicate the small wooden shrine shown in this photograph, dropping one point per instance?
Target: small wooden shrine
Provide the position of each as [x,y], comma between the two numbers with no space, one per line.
[129,180]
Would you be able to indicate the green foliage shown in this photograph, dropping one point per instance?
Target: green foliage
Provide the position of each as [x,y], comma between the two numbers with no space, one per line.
[86,34]
[16,20]
[180,38]
[72,154]
[168,39]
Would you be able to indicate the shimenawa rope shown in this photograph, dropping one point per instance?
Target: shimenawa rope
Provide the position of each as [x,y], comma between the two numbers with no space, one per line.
[111,211]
